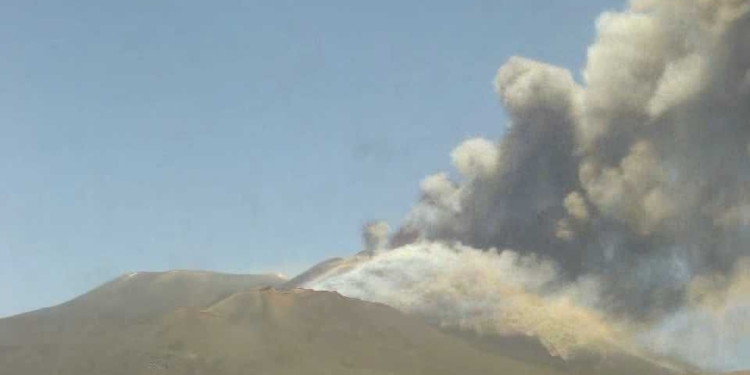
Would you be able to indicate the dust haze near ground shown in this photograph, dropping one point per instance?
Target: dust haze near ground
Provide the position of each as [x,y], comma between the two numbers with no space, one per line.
[623,199]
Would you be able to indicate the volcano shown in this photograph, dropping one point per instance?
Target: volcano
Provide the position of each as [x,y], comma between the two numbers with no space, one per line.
[188,322]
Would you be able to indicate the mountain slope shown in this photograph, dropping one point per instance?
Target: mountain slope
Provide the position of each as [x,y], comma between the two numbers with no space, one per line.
[609,358]
[315,272]
[135,298]
[613,361]
[204,323]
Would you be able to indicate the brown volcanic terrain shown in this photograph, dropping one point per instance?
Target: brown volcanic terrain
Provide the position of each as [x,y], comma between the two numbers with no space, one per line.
[204,323]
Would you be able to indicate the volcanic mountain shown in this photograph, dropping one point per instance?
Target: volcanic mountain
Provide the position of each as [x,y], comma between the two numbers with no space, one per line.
[189,322]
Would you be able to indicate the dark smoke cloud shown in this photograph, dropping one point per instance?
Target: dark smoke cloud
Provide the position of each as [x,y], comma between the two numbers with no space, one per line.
[637,180]
[634,176]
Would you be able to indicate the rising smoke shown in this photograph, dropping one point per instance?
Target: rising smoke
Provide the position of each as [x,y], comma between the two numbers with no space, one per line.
[375,237]
[624,199]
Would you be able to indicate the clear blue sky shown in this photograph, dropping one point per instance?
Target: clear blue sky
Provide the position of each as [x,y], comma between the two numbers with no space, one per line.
[238,136]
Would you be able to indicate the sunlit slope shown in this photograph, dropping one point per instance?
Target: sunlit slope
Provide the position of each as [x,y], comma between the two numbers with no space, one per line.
[314,272]
[112,318]
[204,323]
[300,331]
[608,357]
[143,295]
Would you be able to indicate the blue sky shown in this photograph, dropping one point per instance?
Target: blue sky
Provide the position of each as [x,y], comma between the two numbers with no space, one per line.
[241,136]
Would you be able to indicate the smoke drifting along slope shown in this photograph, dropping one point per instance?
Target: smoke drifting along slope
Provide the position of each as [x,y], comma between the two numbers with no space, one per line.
[458,286]
[189,323]
[625,199]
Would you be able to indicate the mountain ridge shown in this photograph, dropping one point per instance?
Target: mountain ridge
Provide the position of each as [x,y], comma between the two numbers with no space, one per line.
[198,322]
[230,327]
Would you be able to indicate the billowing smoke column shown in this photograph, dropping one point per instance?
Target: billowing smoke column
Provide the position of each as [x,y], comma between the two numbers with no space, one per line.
[635,183]
[375,237]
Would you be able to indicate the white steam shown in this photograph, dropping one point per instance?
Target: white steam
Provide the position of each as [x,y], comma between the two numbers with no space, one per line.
[485,291]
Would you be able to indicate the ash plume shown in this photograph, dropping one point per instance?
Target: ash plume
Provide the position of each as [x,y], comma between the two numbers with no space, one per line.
[635,181]
[375,236]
